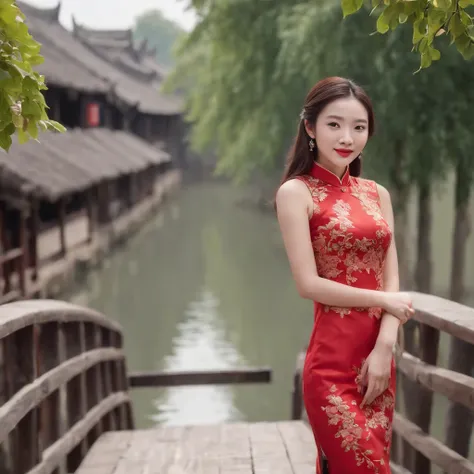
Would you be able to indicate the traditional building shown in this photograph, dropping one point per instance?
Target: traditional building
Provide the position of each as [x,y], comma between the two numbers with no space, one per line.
[118,49]
[124,137]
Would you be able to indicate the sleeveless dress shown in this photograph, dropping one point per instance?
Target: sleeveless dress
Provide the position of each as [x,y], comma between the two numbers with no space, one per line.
[350,240]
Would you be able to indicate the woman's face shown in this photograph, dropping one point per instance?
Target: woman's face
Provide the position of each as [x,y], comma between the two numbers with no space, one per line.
[341,132]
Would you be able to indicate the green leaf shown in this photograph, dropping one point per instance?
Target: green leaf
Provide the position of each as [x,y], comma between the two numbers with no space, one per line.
[456,27]
[435,54]
[5,140]
[22,136]
[470,32]
[442,4]
[20,85]
[8,14]
[10,129]
[56,126]
[351,6]
[382,25]
[32,129]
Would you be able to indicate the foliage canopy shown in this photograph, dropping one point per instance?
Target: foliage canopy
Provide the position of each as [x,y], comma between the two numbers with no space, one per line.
[22,104]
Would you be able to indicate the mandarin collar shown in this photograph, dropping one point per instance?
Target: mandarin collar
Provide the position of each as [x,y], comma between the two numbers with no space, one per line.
[319,172]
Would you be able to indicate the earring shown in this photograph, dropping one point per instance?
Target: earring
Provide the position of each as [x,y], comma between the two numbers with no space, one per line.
[311,144]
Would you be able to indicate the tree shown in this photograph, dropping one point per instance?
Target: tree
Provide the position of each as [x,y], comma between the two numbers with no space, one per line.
[239,106]
[22,104]
[160,33]
[429,19]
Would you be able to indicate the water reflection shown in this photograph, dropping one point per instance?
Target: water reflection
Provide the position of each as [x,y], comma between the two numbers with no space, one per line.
[200,345]
[205,285]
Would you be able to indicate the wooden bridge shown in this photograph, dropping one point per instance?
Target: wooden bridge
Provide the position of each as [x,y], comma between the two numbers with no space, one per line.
[65,405]
[66,408]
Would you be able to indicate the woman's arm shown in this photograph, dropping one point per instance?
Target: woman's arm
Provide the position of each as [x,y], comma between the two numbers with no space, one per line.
[389,326]
[294,206]
[376,370]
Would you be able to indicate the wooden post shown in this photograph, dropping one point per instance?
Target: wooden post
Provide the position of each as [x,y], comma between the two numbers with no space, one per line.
[25,372]
[6,455]
[83,111]
[5,248]
[62,226]
[126,121]
[33,238]
[76,391]
[47,359]
[149,128]
[22,259]
[90,214]
[429,341]
[62,407]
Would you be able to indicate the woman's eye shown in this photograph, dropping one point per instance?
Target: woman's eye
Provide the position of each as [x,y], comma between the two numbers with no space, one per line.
[360,128]
[333,124]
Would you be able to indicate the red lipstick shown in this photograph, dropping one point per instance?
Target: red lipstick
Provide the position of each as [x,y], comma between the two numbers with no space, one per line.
[344,152]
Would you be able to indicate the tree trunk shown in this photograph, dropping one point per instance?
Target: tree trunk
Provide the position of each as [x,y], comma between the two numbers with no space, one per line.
[418,401]
[400,205]
[424,266]
[461,358]
[400,195]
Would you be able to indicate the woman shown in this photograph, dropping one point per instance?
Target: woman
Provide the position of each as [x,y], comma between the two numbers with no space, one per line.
[338,233]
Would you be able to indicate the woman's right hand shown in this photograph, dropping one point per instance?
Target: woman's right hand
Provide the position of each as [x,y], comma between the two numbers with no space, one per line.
[399,304]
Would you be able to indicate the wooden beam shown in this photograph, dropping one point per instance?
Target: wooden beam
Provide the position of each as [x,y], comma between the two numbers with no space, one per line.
[396,469]
[207,377]
[53,455]
[34,232]
[447,459]
[445,315]
[456,387]
[31,395]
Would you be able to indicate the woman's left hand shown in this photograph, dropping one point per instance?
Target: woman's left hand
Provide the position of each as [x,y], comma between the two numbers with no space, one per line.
[375,373]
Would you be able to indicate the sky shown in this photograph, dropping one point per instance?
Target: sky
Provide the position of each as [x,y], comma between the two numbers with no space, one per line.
[116,14]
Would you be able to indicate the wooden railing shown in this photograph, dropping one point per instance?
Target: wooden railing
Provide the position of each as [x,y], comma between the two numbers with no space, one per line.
[62,384]
[414,450]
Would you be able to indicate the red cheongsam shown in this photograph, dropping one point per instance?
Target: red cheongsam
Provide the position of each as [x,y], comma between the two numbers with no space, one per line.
[350,240]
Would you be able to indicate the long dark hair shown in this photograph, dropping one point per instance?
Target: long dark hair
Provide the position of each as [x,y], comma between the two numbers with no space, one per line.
[300,159]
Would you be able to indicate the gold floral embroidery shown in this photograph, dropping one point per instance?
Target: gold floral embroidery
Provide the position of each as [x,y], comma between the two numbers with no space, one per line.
[318,192]
[361,189]
[375,414]
[373,312]
[335,309]
[353,436]
[339,254]
[339,414]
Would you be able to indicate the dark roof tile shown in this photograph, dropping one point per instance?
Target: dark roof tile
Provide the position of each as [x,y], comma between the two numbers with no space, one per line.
[64,163]
[135,92]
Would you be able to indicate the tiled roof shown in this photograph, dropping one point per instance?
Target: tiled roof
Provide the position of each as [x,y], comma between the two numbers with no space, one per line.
[64,163]
[66,54]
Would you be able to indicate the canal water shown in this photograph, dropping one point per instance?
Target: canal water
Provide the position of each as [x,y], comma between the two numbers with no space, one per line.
[206,285]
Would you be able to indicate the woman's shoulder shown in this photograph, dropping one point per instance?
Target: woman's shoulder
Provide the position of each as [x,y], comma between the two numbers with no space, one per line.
[293,187]
[371,185]
[294,191]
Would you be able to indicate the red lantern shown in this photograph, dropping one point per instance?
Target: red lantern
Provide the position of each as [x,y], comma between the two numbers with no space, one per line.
[93,114]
